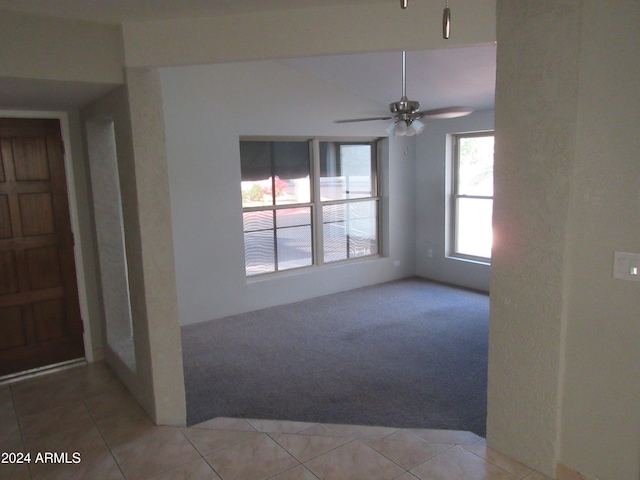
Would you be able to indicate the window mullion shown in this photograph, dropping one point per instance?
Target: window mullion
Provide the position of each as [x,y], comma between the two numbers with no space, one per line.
[275,241]
[456,165]
[316,209]
[276,207]
[347,222]
[374,170]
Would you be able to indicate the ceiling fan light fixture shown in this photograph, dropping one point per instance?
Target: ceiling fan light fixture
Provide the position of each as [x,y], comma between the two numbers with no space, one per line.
[417,127]
[406,128]
[398,129]
[391,128]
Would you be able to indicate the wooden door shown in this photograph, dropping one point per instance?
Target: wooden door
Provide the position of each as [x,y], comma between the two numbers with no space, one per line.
[40,320]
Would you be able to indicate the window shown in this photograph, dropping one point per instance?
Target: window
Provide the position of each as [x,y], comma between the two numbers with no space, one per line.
[472,196]
[307,202]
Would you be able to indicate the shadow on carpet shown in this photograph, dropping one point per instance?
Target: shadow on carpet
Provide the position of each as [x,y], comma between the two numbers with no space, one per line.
[409,354]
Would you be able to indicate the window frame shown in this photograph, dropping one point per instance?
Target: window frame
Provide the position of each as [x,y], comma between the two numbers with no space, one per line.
[316,204]
[375,196]
[455,196]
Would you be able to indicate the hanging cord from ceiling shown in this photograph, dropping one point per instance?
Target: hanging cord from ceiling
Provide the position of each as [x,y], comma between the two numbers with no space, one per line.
[446,18]
[446,22]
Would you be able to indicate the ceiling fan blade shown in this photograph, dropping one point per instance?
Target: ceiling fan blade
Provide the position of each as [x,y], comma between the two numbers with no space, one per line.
[446,112]
[362,119]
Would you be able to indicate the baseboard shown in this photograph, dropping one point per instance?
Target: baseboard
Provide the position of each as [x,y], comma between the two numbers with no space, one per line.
[567,473]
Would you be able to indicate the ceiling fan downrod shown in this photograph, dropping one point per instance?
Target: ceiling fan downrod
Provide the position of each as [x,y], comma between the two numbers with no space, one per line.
[405,107]
[404,3]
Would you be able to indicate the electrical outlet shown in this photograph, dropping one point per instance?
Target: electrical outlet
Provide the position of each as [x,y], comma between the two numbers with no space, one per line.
[626,266]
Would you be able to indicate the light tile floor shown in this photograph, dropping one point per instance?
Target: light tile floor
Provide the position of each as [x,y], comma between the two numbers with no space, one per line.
[87,410]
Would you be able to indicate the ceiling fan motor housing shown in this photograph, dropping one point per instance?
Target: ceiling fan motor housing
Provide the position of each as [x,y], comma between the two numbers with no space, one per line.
[405,108]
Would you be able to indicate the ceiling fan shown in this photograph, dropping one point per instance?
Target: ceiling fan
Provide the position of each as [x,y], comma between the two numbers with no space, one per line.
[406,114]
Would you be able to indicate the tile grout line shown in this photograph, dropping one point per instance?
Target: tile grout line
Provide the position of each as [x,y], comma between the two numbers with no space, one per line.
[380,453]
[498,466]
[364,442]
[288,469]
[350,440]
[190,461]
[15,412]
[237,442]
[146,476]
[327,426]
[267,434]
[97,427]
[450,447]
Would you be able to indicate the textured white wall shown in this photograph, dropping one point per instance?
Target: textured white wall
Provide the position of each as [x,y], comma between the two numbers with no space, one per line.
[600,413]
[207,108]
[564,387]
[155,272]
[535,123]
[136,111]
[431,194]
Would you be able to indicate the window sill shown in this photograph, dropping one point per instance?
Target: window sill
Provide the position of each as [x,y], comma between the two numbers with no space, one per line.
[311,268]
[476,261]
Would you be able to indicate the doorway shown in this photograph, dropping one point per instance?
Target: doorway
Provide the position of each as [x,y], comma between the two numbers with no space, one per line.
[40,320]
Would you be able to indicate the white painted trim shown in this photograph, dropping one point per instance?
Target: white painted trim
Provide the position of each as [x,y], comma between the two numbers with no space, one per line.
[73,212]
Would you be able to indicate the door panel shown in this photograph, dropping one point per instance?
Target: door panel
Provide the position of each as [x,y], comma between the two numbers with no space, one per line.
[5,217]
[40,320]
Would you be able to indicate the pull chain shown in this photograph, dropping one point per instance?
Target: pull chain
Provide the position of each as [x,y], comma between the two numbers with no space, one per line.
[446,22]
[446,18]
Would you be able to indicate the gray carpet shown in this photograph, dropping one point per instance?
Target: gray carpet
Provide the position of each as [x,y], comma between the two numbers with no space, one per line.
[408,353]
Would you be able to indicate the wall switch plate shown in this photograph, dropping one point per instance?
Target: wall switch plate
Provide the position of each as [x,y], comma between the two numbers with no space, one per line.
[626,266]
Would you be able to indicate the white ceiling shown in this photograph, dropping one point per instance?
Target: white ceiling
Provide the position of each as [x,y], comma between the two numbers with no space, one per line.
[26,93]
[435,78]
